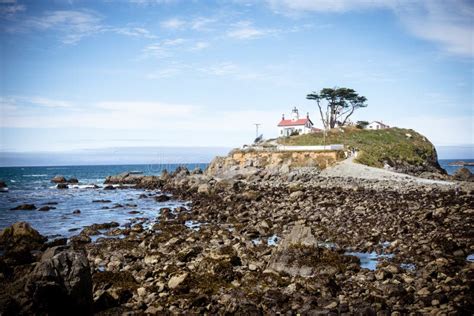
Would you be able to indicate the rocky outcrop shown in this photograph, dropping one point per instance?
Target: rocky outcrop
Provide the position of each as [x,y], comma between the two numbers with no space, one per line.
[24,207]
[245,162]
[463,174]
[18,241]
[62,180]
[21,234]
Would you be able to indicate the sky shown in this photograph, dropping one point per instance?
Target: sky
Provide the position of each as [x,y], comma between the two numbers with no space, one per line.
[80,75]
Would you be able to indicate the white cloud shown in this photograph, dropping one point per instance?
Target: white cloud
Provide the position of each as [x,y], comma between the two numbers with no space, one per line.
[449,24]
[161,49]
[328,5]
[246,30]
[10,10]
[202,23]
[199,46]
[22,101]
[72,25]
[173,24]
[134,32]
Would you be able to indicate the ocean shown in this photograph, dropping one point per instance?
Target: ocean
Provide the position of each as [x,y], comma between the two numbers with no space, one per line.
[32,185]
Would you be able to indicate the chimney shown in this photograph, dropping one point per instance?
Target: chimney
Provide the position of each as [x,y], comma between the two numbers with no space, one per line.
[307,115]
[283,116]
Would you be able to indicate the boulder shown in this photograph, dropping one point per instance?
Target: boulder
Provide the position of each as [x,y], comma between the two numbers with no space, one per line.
[62,186]
[61,283]
[3,186]
[463,174]
[73,180]
[59,179]
[18,240]
[162,198]
[24,207]
[21,233]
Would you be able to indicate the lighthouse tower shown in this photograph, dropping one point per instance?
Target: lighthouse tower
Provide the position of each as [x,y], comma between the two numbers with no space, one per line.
[295,116]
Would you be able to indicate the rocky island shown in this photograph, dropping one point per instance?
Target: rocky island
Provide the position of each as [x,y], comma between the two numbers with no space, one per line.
[267,232]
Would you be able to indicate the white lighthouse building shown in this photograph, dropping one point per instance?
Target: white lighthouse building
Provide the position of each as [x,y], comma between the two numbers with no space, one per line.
[295,124]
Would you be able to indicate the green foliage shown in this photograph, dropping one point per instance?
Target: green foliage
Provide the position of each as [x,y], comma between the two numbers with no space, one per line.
[362,124]
[340,105]
[375,146]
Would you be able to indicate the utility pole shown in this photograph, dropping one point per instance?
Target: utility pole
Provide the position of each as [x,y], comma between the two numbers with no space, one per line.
[256,129]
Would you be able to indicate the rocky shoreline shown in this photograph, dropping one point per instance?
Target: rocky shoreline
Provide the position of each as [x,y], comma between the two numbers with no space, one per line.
[258,242]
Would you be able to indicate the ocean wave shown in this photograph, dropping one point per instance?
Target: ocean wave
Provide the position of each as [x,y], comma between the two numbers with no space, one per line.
[35,175]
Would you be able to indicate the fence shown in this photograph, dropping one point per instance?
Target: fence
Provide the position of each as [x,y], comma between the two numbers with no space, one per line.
[296,148]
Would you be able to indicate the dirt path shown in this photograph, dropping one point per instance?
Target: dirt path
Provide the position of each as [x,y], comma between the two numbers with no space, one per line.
[350,169]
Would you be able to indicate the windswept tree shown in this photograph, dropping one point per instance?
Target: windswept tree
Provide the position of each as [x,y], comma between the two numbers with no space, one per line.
[336,105]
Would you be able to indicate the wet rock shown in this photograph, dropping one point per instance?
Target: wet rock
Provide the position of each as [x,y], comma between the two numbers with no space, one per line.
[46,208]
[62,186]
[59,179]
[101,201]
[61,283]
[3,186]
[109,187]
[76,212]
[162,198]
[73,180]
[24,207]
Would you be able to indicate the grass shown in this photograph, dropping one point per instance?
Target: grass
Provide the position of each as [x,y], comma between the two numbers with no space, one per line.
[375,146]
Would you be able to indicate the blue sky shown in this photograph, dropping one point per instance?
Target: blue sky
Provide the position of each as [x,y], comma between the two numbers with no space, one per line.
[95,74]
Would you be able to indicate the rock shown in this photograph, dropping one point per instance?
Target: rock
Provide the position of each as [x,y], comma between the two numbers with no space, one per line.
[124,178]
[252,267]
[59,179]
[296,195]
[109,187]
[76,212]
[21,234]
[197,170]
[61,283]
[73,180]
[177,281]
[331,306]
[463,174]
[101,201]
[203,188]
[162,198]
[80,239]
[141,291]
[62,186]
[24,207]
[46,208]
[3,186]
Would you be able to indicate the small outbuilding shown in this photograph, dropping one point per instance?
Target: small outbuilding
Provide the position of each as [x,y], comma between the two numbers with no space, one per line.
[377,125]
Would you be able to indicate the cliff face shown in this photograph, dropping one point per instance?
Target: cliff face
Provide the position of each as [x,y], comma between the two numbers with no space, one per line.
[248,161]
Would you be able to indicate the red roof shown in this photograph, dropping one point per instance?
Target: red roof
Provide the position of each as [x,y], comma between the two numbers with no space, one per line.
[293,123]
